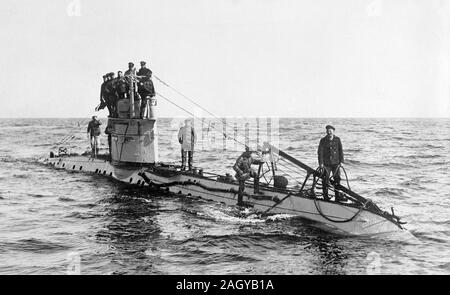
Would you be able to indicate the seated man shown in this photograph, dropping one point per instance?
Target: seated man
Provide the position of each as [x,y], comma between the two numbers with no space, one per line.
[244,172]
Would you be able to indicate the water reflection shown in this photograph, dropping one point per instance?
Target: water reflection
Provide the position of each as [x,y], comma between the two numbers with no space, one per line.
[130,229]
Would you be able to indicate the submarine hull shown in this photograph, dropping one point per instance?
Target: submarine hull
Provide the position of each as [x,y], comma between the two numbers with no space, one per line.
[332,216]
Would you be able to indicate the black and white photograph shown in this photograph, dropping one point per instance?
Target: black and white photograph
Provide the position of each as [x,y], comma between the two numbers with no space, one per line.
[231,138]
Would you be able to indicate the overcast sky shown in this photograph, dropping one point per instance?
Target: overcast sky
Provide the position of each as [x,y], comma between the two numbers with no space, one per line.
[326,58]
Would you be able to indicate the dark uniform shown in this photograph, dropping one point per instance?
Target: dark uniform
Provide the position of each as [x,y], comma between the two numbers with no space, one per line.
[108,131]
[146,91]
[243,172]
[94,132]
[110,97]
[103,103]
[331,155]
[145,72]
[120,85]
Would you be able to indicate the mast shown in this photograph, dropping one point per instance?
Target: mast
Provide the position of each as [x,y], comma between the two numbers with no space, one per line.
[132,77]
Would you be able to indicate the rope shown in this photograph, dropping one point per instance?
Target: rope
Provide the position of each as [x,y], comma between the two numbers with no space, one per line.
[277,203]
[123,142]
[191,100]
[190,113]
[334,220]
[346,177]
[218,120]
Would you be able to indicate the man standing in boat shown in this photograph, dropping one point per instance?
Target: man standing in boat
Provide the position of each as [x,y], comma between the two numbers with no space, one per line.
[243,172]
[187,138]
[331,156]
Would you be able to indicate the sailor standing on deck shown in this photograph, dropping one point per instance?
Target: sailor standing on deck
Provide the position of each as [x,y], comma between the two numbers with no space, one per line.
[93,131]
[243,172]
[187,138]
[331,155]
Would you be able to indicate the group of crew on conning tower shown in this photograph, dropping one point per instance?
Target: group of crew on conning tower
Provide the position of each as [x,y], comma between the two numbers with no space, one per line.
[116,92]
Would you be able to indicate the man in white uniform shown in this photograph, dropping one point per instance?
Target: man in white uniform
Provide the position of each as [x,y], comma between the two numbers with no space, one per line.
[187,138]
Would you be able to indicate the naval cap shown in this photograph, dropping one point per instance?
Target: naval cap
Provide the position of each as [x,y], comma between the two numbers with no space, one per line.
[143,63]
[329,127]
[131,64]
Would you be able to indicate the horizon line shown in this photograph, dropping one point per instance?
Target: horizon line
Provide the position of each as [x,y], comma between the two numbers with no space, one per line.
[252,117]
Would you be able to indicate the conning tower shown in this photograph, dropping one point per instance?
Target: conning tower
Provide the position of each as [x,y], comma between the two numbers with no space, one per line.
[134,140]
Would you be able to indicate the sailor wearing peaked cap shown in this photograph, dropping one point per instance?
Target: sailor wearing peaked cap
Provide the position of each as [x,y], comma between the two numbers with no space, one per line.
[130,69]
[330,156]
[144,72]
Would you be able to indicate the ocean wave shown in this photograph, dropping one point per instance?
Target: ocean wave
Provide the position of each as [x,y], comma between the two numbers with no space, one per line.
[354,150]
[40,195]
[353,162]
[390,191]
[65,199]
[88,205]
[421,156]
[428,237]
[412,184]
[80,215]
[378,165]
[35,245]
[8,159]
[244,216]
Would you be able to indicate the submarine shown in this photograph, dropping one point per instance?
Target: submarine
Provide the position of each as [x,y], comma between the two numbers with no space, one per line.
[133,159]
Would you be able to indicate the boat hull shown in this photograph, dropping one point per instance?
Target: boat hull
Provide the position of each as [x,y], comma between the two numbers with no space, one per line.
[328,215]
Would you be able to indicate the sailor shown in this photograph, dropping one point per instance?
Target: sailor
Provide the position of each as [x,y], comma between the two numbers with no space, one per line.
[93,131]
[144,71]
[120,86]
[146,92]
[131,79]
[187,138]
[331,156]
[244,172]
[108,131]
[102,104]
[131,70]
[111,95]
